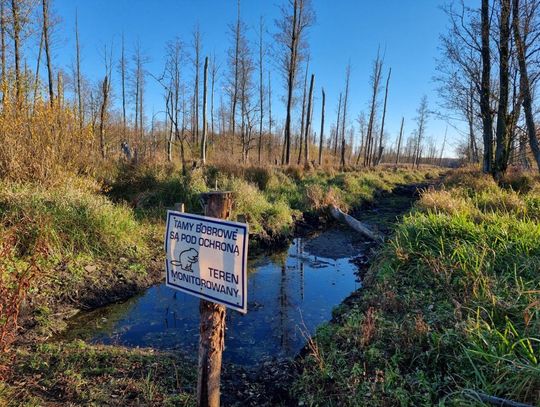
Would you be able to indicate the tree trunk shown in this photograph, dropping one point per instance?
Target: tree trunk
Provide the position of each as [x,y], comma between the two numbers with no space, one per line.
[337,126]
[45,4]
[16,47]
[197,46]
[379,155]
[308,121]
[270,137]
[236,73]
[344,124]
[123,78]
[78,69]
[291,75]
[203,141]
[485,92]
[321,135]
[502,150]
[261,90]
[3,83]
[102,116]
[303,117]
[38,66]
[399,141]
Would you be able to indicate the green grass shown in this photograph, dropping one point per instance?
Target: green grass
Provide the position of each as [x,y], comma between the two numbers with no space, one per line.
[94,375]
[450,309]
[84,245]
[270,198]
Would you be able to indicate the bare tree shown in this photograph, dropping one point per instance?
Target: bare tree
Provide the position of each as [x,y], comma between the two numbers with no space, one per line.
[139,73]
[46,26]
[399,141]
[171,81]
[16,33]
[205,126]
[234,58]
[291,37]
[460,70]
[485,90]
[214,68]
[381,148]
[269,116]
[321,134]
[308,121]
[261,87]
[344,125]
[122,68]
[375,85]
[421,121]
[3,23]
[103,111]
[196,44]
[502,143]
[336,135]
[303,115]
[78,72]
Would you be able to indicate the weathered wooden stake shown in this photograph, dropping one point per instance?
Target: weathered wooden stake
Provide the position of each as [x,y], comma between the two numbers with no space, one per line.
[212,327]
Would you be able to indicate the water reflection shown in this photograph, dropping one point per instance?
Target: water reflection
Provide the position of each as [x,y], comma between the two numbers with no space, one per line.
[289,295]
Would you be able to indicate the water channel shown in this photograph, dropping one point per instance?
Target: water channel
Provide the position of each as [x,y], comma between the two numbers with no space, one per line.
[290,294]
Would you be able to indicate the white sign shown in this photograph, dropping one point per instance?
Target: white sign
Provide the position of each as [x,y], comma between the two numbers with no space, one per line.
[207,257]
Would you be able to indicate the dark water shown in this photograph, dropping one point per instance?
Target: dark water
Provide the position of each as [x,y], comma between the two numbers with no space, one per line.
[289,294]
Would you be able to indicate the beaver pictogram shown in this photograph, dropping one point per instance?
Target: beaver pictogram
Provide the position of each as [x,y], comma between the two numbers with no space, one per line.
[186,259]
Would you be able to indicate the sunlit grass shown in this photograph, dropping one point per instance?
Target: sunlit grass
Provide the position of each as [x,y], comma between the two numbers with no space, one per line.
[455,304]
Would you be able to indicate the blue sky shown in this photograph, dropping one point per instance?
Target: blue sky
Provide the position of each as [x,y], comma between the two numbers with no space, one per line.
[408,31]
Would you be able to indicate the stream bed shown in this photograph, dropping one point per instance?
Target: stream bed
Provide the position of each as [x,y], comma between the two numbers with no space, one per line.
[290,293]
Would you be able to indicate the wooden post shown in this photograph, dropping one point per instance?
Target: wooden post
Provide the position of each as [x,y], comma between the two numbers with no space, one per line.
[212,326]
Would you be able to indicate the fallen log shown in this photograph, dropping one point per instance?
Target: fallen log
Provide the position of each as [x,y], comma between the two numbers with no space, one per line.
[354,224]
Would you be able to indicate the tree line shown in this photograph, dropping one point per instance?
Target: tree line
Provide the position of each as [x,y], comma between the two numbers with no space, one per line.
[221,109]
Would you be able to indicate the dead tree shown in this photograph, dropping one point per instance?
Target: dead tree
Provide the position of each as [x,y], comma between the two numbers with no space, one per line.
[321,134]
[421,121]
[78,73]
[269,117]
[308,121]
[336,135]
[381,135]
[375,81]
[363,130]
[196,64]
[291,35]
[122,67]
[303,116]
[203,140]
[102,115]
[16,33]
[344,125]
[235,65]
[213,74]
[443,146]
[261,88]
[38,65]
[46,25]
[3,51]
[399,141]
